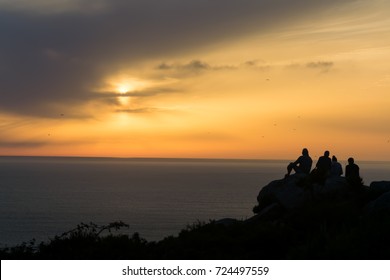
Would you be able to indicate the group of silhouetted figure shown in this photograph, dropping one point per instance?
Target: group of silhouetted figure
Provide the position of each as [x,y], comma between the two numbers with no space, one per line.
[325,167]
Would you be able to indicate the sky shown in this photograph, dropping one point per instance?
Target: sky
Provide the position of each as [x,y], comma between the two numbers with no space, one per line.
[195,78]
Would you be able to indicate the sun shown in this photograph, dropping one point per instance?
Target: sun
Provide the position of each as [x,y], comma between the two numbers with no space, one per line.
[123,89]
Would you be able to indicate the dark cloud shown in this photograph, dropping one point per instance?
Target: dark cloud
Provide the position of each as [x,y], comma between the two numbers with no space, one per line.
[51,59]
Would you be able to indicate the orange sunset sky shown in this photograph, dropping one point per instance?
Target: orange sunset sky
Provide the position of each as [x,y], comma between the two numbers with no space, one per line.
[195,78]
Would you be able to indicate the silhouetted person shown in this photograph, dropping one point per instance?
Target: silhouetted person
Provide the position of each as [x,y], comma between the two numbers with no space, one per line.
[336,168]
[322,169]
[352,173]
[302,164]
[352,169]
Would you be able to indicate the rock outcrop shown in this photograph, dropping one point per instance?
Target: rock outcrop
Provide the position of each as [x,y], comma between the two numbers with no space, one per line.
[380,191]
[296,191]
[379,206]
[380,187]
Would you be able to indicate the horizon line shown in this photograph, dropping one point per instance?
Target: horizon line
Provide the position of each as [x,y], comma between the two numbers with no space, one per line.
[160,158]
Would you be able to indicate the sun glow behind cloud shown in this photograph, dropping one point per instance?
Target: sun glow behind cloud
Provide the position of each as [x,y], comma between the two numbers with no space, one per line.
[123,89]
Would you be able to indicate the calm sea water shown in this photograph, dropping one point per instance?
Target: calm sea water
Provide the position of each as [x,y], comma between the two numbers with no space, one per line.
[41,197]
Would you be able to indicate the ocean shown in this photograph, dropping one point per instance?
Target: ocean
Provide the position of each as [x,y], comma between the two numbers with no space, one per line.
[45,196]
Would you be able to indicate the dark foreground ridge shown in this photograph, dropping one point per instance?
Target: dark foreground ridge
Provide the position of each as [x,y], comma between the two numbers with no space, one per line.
[294,219]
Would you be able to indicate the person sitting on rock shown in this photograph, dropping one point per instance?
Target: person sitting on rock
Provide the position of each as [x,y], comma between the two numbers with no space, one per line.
[322,169]
[336,168]
[352,173]
[301,165]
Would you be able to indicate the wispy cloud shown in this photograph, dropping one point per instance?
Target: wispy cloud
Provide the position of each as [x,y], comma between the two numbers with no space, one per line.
[22,144]
[323,66]
[197,66]
[136,93]
[143,110]
[193,67]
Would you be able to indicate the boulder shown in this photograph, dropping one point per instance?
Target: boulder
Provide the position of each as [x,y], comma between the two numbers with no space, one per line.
[297,190]
[288,193]
[334,187]
[380,187]
[379,205]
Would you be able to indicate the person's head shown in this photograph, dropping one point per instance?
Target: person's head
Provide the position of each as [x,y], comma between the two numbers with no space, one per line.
[334,158]
[305,152]
[326,153]
[351,161]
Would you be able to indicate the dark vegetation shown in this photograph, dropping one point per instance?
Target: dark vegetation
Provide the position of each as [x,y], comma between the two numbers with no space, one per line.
[320,230]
